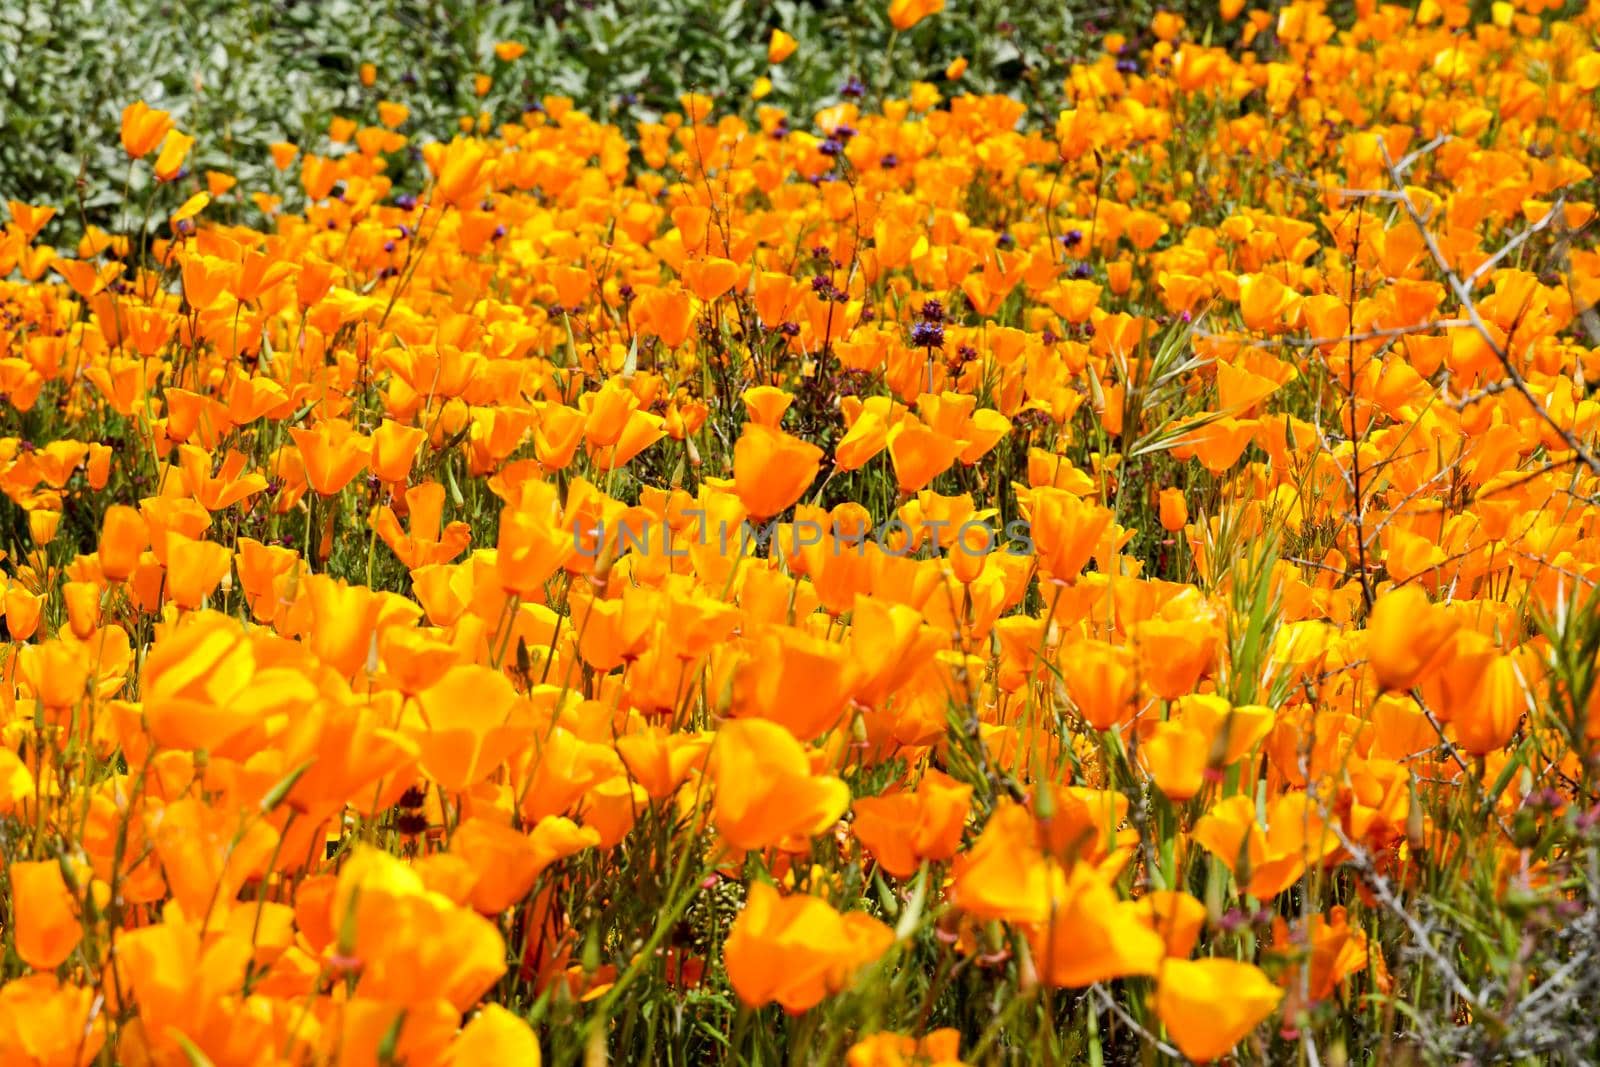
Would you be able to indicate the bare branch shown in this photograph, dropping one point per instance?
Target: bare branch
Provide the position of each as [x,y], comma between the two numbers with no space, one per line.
[1463,294]
[1515,243]
[1110,1004]
[1406,161]
[1379,884]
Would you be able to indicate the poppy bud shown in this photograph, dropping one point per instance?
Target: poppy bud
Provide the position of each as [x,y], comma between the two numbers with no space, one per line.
[780,46]
[1120,275]
[42,526]
[83,607]
[970,552]
[98,471]
[143,127]
[1174,510]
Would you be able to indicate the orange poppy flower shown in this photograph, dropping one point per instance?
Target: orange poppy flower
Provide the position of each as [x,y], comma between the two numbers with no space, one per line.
[227,487]
[775,298]
[386,919]
[1175,653]
[641,430]
[1407,637]
[1176,756]
[797,950]
[1174,511]
[1209,1005]
[780,46]
[941,1048]
[494,1035]
[765,791]
[342,620]
[1103,681]
[143,127]
[1267,862]
[904,14]
[1004,875]
[1338,950]
[30,219]
[766,404]
[45,1022]
[1478,690]
[22,611]
[661,761]
[174,150]
[799,681]
[205,279]
[1093,936]
[194,569]
[469,726]
[664,313]
[868,436]
[534,544]
[710,278]
[903,829]
[506,862]
[429,541]
[265,575]
[44,927]
[1066,531]
[462,172]
[333,453]
[919,454]
[559,433]
[83,607]
[772,469]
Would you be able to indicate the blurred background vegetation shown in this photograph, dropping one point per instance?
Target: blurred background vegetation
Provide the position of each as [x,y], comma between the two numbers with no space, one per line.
[242,74]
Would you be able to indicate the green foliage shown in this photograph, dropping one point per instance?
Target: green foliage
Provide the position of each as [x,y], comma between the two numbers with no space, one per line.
[241,76]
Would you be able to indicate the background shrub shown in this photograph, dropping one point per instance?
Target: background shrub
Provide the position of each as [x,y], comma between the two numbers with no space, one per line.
[243,75]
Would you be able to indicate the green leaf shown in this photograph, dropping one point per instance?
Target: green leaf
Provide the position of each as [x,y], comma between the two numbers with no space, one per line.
[275,795]
[912,915]
[192,1052]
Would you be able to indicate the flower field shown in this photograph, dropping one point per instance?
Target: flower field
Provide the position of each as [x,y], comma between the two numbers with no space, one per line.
[886,579]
